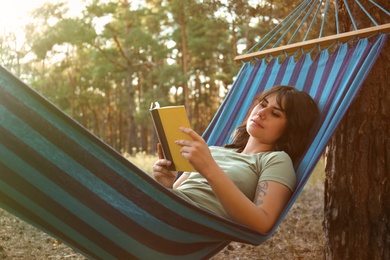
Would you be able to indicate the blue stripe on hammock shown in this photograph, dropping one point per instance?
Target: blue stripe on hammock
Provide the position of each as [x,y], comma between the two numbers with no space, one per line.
[282,72]
[89,201]
[359,71]
[330,79]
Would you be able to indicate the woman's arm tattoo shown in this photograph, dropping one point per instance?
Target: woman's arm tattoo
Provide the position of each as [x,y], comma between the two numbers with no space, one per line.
[261,192]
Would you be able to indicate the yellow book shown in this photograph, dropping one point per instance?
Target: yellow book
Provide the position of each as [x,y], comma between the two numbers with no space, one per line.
[167,121]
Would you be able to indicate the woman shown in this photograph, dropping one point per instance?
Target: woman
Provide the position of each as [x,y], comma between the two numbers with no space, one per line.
[252,179]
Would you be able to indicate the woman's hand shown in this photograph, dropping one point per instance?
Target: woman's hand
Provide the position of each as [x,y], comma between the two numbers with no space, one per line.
[160,170]
[197,152]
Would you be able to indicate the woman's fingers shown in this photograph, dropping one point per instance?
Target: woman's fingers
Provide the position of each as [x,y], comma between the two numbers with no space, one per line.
[196,139]
[159,151]
[191,133]
[183,142]
[162,163]
[161,169]
[161,173]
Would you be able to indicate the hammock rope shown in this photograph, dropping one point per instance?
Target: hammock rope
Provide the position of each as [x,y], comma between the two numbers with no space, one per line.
[57,176]
[309,13]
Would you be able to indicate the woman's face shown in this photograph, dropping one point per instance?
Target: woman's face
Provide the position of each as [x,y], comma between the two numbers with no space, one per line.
[267,121]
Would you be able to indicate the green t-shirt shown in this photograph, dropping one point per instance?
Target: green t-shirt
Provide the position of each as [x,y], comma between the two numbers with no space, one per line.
[244,170]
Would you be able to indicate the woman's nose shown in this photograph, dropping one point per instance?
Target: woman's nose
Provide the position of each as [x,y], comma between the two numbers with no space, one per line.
[261,113]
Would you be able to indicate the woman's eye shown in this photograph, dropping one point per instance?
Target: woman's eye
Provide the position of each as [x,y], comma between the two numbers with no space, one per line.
[275,114]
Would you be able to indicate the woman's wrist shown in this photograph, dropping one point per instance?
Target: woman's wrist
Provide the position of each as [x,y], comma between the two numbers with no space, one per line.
[212,172]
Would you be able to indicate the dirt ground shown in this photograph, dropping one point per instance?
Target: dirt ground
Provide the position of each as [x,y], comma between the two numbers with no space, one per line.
[300,236]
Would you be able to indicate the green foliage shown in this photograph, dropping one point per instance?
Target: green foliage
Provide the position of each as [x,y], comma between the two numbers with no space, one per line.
[105,66]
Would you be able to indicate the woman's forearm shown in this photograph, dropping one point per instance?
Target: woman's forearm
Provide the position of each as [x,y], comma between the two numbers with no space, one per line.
[180,180]
[236,204]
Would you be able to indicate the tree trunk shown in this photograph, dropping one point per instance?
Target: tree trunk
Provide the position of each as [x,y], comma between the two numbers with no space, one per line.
[132,129]
[357,185]
[184,50]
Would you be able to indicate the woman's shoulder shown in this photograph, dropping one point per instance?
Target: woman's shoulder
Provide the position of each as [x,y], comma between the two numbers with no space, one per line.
[278,167]
[279,154]
[277,157]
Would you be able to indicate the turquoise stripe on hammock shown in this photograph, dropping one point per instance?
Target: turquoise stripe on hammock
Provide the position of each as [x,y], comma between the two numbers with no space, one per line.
[56,192]
[334,81]
[5,117]
[185,211]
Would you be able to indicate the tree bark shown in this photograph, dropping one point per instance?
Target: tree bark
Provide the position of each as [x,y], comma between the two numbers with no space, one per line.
[357,185]
[184,50]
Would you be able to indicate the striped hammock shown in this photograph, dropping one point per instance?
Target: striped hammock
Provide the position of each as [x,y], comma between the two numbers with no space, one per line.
[60,178]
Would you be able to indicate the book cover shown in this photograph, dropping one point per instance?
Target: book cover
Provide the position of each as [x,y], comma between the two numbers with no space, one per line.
[167,121]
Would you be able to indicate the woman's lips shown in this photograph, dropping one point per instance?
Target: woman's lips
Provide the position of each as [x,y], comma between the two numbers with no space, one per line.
[257,123]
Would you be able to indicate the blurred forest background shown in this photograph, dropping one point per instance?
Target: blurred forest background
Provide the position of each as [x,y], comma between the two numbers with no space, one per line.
[105,65]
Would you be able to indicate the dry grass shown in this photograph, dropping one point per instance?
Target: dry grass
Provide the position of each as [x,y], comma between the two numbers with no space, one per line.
[300,236]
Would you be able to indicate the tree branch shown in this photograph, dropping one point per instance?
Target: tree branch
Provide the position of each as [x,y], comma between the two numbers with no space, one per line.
[108,58]
[118,44]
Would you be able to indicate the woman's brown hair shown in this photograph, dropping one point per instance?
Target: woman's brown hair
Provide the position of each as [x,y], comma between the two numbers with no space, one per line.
[301,113]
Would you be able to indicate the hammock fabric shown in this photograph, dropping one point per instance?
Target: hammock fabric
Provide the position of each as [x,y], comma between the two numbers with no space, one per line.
[60,178]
